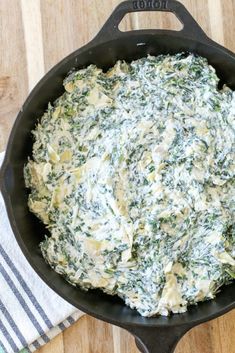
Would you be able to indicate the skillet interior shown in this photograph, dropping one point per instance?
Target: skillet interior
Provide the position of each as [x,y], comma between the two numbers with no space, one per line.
[27,228]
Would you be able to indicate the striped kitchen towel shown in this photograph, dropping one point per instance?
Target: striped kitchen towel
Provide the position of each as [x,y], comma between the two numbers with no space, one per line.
[30,312]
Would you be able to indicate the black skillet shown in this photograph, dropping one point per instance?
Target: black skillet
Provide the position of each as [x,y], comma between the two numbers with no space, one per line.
[153,335]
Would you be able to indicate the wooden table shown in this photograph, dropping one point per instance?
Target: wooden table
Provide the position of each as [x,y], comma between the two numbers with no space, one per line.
[34,35]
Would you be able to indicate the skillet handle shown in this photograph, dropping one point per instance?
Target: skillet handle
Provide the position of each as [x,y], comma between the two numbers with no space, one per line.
[157,339]
[190,29]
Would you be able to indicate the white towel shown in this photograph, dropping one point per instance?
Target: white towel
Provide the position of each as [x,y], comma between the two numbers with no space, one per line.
[31,314]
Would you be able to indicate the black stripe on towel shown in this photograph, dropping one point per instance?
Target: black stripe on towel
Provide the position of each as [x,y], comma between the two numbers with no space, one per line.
[23,304]
[26,288]
[12,324]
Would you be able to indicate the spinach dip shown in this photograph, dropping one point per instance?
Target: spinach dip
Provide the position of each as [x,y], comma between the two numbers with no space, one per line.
[132,172]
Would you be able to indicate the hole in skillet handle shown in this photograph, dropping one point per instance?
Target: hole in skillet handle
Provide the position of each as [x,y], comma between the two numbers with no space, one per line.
[149,19]
[158,339]
[111,31]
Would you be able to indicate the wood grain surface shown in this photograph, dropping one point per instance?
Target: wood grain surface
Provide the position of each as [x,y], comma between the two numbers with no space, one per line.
[35,35]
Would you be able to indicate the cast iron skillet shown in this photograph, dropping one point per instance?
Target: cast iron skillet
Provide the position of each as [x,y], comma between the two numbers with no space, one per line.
[153,335]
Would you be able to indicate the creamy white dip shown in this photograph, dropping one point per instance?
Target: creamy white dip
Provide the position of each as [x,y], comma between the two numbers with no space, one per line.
[133,174]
